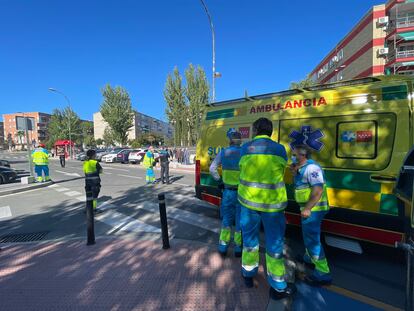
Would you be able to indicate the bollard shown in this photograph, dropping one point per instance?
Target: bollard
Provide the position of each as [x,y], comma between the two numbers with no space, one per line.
[89,218]
[163,219]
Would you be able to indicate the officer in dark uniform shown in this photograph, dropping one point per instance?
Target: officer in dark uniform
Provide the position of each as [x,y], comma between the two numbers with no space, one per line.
[164,162]
[92,169]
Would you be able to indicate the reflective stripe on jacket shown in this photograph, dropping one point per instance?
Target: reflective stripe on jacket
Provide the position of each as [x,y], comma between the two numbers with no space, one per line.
[262,168]
[230,165]
[91,172]
[40,157]
[303,191]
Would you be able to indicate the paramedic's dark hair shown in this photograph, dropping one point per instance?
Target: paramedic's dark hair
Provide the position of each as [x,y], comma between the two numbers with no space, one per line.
[305,150]
[90,153]
[263,126]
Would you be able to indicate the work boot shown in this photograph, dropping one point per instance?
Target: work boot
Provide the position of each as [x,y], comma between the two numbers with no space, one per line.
[301,260]
[223,254]
[248,281]
[312,281]
[276,294]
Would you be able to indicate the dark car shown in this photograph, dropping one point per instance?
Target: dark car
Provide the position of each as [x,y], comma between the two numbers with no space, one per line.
[122,156]
[7,175]
[4,163]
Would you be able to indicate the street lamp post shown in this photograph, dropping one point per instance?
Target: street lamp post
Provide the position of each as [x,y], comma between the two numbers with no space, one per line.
[29,154]
[70,133]
[215,74]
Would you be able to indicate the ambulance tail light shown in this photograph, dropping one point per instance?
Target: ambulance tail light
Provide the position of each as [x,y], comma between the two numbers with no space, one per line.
[197,172]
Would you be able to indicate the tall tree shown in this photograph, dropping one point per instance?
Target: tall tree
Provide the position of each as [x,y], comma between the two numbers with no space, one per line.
[176,107]
[87,134]
[64,124]
[117,111]
[196,92]
[308,81]
[108,137]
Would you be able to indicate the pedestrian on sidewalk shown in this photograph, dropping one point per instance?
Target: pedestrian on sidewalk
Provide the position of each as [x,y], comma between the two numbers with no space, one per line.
[164,162]
[310,194]
[149,163]
[92,169]
[262,194]
[40,158]
[62,155]
[228,159]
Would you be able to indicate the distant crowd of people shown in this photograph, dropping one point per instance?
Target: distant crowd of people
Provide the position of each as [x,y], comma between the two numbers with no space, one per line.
[180,155]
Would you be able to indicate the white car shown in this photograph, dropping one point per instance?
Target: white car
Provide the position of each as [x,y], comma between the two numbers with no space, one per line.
[138,156]
[111,157]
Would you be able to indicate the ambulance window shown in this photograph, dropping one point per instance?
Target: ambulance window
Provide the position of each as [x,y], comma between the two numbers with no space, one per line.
[357,140]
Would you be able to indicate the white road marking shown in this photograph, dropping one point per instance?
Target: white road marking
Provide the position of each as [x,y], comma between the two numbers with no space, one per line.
[107,173]
[5,212]
[81,198]
[137,177]
[121,222]
[53,186]
[68,174]
[72,193]
[191,218]
[61,189]
[187,198]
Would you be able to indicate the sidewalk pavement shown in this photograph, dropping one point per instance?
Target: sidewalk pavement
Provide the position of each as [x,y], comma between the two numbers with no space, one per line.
[117,274]
[124,274]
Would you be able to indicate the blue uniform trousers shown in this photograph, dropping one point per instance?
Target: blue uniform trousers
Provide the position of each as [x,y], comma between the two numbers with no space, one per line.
[42,172]
[230,213]
[274,226]
[311,231]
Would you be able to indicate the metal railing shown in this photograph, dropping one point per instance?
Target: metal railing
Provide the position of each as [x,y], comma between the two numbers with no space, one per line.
[403,22]
[400,54]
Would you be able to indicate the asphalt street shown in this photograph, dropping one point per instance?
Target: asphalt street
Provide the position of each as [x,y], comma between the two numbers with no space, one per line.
[131,210]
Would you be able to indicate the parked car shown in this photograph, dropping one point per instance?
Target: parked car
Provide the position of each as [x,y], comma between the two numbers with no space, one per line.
[100,153]
[4,163]
[135,156]
[7,174]
[112,155]
[122,156]
[81,156]
[138,156]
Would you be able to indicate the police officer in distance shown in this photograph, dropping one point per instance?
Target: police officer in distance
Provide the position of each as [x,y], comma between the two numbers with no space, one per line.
[92,169]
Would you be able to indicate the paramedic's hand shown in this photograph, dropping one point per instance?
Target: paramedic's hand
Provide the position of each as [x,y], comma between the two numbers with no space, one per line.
[306,212]
[294,169]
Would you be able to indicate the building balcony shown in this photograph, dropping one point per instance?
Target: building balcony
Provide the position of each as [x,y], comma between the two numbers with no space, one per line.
[404,22]
[400,55]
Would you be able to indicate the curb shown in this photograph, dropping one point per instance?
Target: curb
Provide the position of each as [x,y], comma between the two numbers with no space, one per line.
[35,186]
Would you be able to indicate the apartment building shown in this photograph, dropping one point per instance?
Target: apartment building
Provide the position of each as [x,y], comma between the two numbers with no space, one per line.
[142,124]
[382,42]
[14,128]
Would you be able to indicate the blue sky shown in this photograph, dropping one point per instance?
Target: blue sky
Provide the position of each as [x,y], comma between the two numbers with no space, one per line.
[79,46]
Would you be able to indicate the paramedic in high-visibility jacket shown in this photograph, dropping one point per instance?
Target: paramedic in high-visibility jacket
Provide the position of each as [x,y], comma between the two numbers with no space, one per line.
[149,163]
[262,194]
[92,169]
[229,159]
[40,158]
[310,194]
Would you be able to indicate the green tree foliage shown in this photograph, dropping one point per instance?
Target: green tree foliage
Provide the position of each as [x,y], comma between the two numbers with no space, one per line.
[196,92]
[108,137]
[87,134]
[147,139]
[302,83]
[99,142]
[63,124]
[117,111]
[186,104]
[176,107]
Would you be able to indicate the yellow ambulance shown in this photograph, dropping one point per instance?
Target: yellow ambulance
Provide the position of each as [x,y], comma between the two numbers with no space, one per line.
[359,131]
